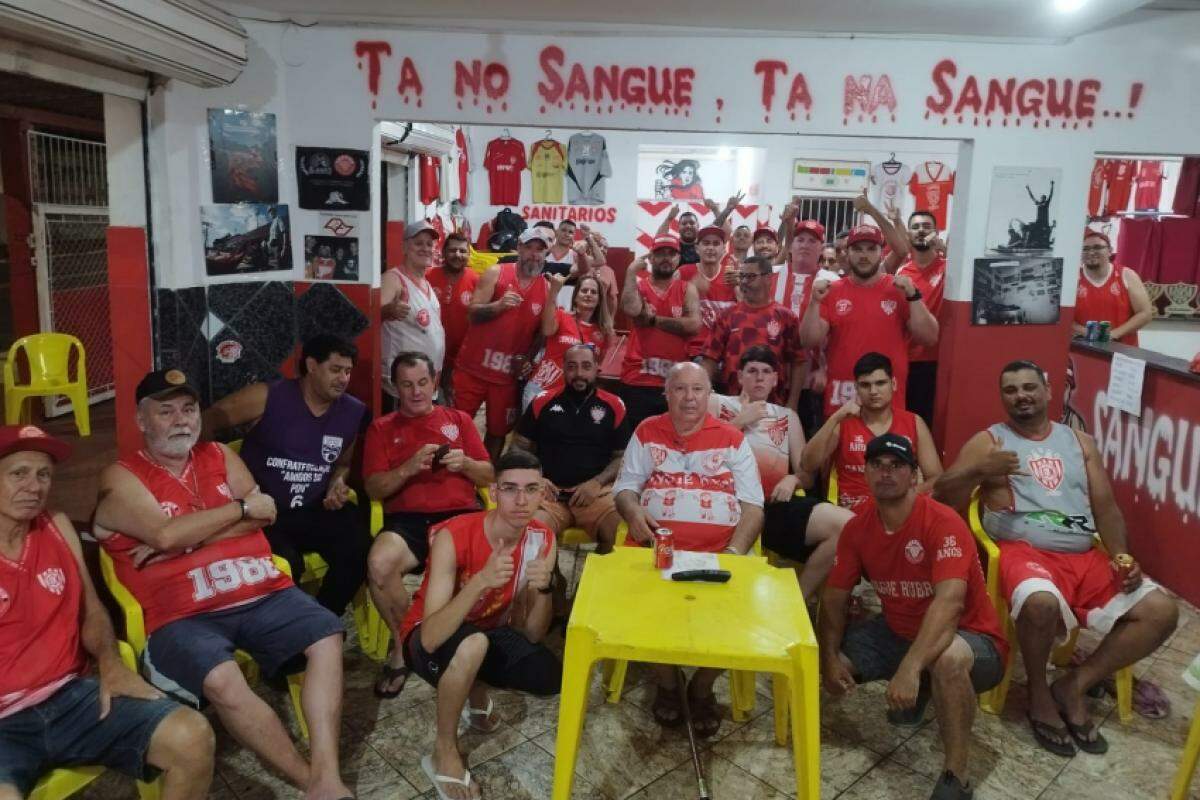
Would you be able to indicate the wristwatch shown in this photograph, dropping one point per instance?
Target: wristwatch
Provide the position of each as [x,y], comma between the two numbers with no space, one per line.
[549,586]
[916,295]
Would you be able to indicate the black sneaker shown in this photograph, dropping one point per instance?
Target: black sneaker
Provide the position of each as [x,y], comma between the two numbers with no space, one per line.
[949,787]
[911,719]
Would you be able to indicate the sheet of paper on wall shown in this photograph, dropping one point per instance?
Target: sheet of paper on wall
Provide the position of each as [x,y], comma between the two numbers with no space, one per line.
[686,560]
[1125,379]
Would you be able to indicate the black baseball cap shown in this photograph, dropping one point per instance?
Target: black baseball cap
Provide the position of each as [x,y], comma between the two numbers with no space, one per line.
[892,444]
[164,383]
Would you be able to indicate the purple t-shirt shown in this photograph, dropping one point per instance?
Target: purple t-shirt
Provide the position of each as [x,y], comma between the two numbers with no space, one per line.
[291,451]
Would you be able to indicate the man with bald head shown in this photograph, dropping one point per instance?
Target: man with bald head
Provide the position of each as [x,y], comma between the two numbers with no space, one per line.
[690,472]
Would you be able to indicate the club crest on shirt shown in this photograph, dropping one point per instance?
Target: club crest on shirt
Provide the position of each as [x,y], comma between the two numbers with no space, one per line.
[676,311]
[450,431]
[169,508]
[423,318]
[1116,290]
[331,448]
[773,329]
[658,455]
[914,552]
[843,307]
[53,580]
[726,414]
[712,462]
[1047,469]
[465,298]
[888,306]
[777,430]
[935,281]
[223,489]
[597,414]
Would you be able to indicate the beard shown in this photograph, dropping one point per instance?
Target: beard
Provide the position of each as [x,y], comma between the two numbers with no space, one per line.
[174,445]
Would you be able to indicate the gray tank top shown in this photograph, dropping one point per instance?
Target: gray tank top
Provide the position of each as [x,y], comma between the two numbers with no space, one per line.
[1051,507]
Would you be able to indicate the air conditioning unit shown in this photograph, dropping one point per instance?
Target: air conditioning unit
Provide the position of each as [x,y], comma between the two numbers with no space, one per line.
[417,137]
[185,39]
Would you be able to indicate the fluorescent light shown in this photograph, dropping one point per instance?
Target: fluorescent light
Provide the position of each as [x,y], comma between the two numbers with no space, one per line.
[1068,6]
[724,153]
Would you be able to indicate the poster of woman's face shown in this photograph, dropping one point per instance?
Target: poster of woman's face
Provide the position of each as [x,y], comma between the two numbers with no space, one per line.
[695,173]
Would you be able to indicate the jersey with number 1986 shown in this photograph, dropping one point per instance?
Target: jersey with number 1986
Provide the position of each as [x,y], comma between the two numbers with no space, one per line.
[490,347]
[208,578]
[652,352]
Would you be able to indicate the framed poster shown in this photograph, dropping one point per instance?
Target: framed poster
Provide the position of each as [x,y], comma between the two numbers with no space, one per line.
[1017,290]
[1023,210]
[244,164]
[244,238]
[333,179]
[331,258]
[820,175]
[696,172]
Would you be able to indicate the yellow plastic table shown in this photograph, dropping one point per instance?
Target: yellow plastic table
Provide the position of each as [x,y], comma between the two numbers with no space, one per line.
[757,622]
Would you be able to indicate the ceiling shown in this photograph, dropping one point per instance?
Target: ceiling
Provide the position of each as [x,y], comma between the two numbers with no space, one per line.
[992,19]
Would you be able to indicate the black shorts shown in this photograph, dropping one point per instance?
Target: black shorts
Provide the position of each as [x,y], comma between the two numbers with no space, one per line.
[413,527]
[785,527]
[512,661]
[642,402]
[65,730]
[275,630]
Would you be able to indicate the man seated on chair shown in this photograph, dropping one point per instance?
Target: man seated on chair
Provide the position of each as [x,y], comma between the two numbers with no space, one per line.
[804,529]
[299,452]
[1045,497]
[938,634]
[423,462]
[479,617]
[841,443]
[694,474]
[182,521]
[579,433]
[55,710]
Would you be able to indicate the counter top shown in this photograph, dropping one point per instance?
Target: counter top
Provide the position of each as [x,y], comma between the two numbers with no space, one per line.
[1175,366]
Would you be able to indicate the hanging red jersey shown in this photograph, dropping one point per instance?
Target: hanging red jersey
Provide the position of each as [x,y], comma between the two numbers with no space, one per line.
[504,161]
[471,553]
[1096,188]
[41,603]
[210,577]
[1107,302]
[1118,177]
[850,458]
[489,351]
[430,169]
[931,184]
[651,352]
[1149,186]
[462,157]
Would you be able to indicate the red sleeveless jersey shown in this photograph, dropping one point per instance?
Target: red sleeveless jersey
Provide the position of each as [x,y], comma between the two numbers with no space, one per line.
[1108,301]
[41,600]
[851,454]
[207,578]
[571,331]
[471,552]
[652,352]
[489,347]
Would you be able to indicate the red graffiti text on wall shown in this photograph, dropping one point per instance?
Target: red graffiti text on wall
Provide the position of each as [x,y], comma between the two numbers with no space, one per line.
[607,87]
[798,95]
[1066,101]
[865,95]
[372,55]
[490,80]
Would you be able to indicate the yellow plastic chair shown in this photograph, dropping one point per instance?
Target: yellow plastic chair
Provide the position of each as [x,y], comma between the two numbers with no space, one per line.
[832,494]
[62,783]
[992,701]
[1187,765]
[135,632]
[49,357]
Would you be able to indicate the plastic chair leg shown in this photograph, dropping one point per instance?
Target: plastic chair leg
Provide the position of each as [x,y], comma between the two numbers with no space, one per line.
[806,726]
[992,701]
[1187,764]
[296,690]
[742,695]
[1124,681]
[380,635]
[779,688]
[82,411]
[12,407]
[578,656]
[614,679]
[149,791]
[62,783]
[1061,656]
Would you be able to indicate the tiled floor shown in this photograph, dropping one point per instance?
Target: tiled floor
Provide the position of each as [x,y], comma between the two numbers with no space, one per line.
[624,754]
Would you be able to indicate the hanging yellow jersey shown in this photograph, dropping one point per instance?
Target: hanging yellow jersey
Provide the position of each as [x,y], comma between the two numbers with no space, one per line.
[547,165]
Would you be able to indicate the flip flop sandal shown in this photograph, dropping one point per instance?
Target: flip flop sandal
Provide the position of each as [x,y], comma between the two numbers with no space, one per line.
[387,675]
[706,715]
[1150,700]
[439,781]
[469,715]
[666,701]
[1081,733]
[1052,737]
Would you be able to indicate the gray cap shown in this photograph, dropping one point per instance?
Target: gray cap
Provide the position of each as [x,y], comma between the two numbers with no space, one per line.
[537,234]
[419,227]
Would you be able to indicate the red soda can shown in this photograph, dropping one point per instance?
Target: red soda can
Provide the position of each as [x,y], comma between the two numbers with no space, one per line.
[664,548]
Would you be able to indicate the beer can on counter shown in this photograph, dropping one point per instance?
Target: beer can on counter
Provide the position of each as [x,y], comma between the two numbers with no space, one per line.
[1105,329]
[1093,331]
[664,548]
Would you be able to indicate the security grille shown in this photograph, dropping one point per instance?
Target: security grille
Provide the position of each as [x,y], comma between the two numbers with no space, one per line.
[835,213]
[67,171]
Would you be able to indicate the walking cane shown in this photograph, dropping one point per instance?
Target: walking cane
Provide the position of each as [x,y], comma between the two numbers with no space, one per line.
[701,783]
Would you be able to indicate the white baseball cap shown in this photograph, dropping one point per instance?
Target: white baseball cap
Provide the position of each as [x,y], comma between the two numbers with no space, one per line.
[543,235]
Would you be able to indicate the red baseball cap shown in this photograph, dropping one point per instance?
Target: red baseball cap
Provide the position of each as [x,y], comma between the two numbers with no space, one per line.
[711,230]
[1088,233]
[810,226]
[766,230]
[865,233]
[667,240]
[15,438]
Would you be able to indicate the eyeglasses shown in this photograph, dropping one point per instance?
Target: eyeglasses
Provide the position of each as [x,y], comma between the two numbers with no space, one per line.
[750,276]
[512,489]
[1095,248]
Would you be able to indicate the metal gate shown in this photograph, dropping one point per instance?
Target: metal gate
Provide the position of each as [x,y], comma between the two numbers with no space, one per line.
[69,186]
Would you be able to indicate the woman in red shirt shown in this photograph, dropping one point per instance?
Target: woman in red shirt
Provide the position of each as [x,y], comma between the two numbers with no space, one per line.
[588,322]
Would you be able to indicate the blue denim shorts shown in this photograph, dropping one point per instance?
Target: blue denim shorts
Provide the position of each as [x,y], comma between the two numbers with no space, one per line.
[65,730]
[876,651]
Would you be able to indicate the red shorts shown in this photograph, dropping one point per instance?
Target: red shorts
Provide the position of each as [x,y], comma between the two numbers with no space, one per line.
[471,392]
[1086,584]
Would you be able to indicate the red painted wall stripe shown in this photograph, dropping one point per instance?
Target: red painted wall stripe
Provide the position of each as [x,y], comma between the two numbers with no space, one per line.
[129,310]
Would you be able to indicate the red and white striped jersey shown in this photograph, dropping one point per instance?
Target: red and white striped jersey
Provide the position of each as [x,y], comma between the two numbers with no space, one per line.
[692,485]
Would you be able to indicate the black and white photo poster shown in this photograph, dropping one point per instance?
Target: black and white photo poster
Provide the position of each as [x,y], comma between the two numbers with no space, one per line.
[333,179]
[1023,210]
[242,148]
[1017,290]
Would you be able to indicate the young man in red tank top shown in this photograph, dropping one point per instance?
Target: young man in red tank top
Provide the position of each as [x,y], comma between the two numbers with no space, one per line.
[52,625]
[182,521]
[841,443]
[1110,292]
[479,617]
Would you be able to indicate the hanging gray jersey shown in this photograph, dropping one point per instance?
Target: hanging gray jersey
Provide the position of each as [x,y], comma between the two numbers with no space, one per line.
[1051,507]
[587,167]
